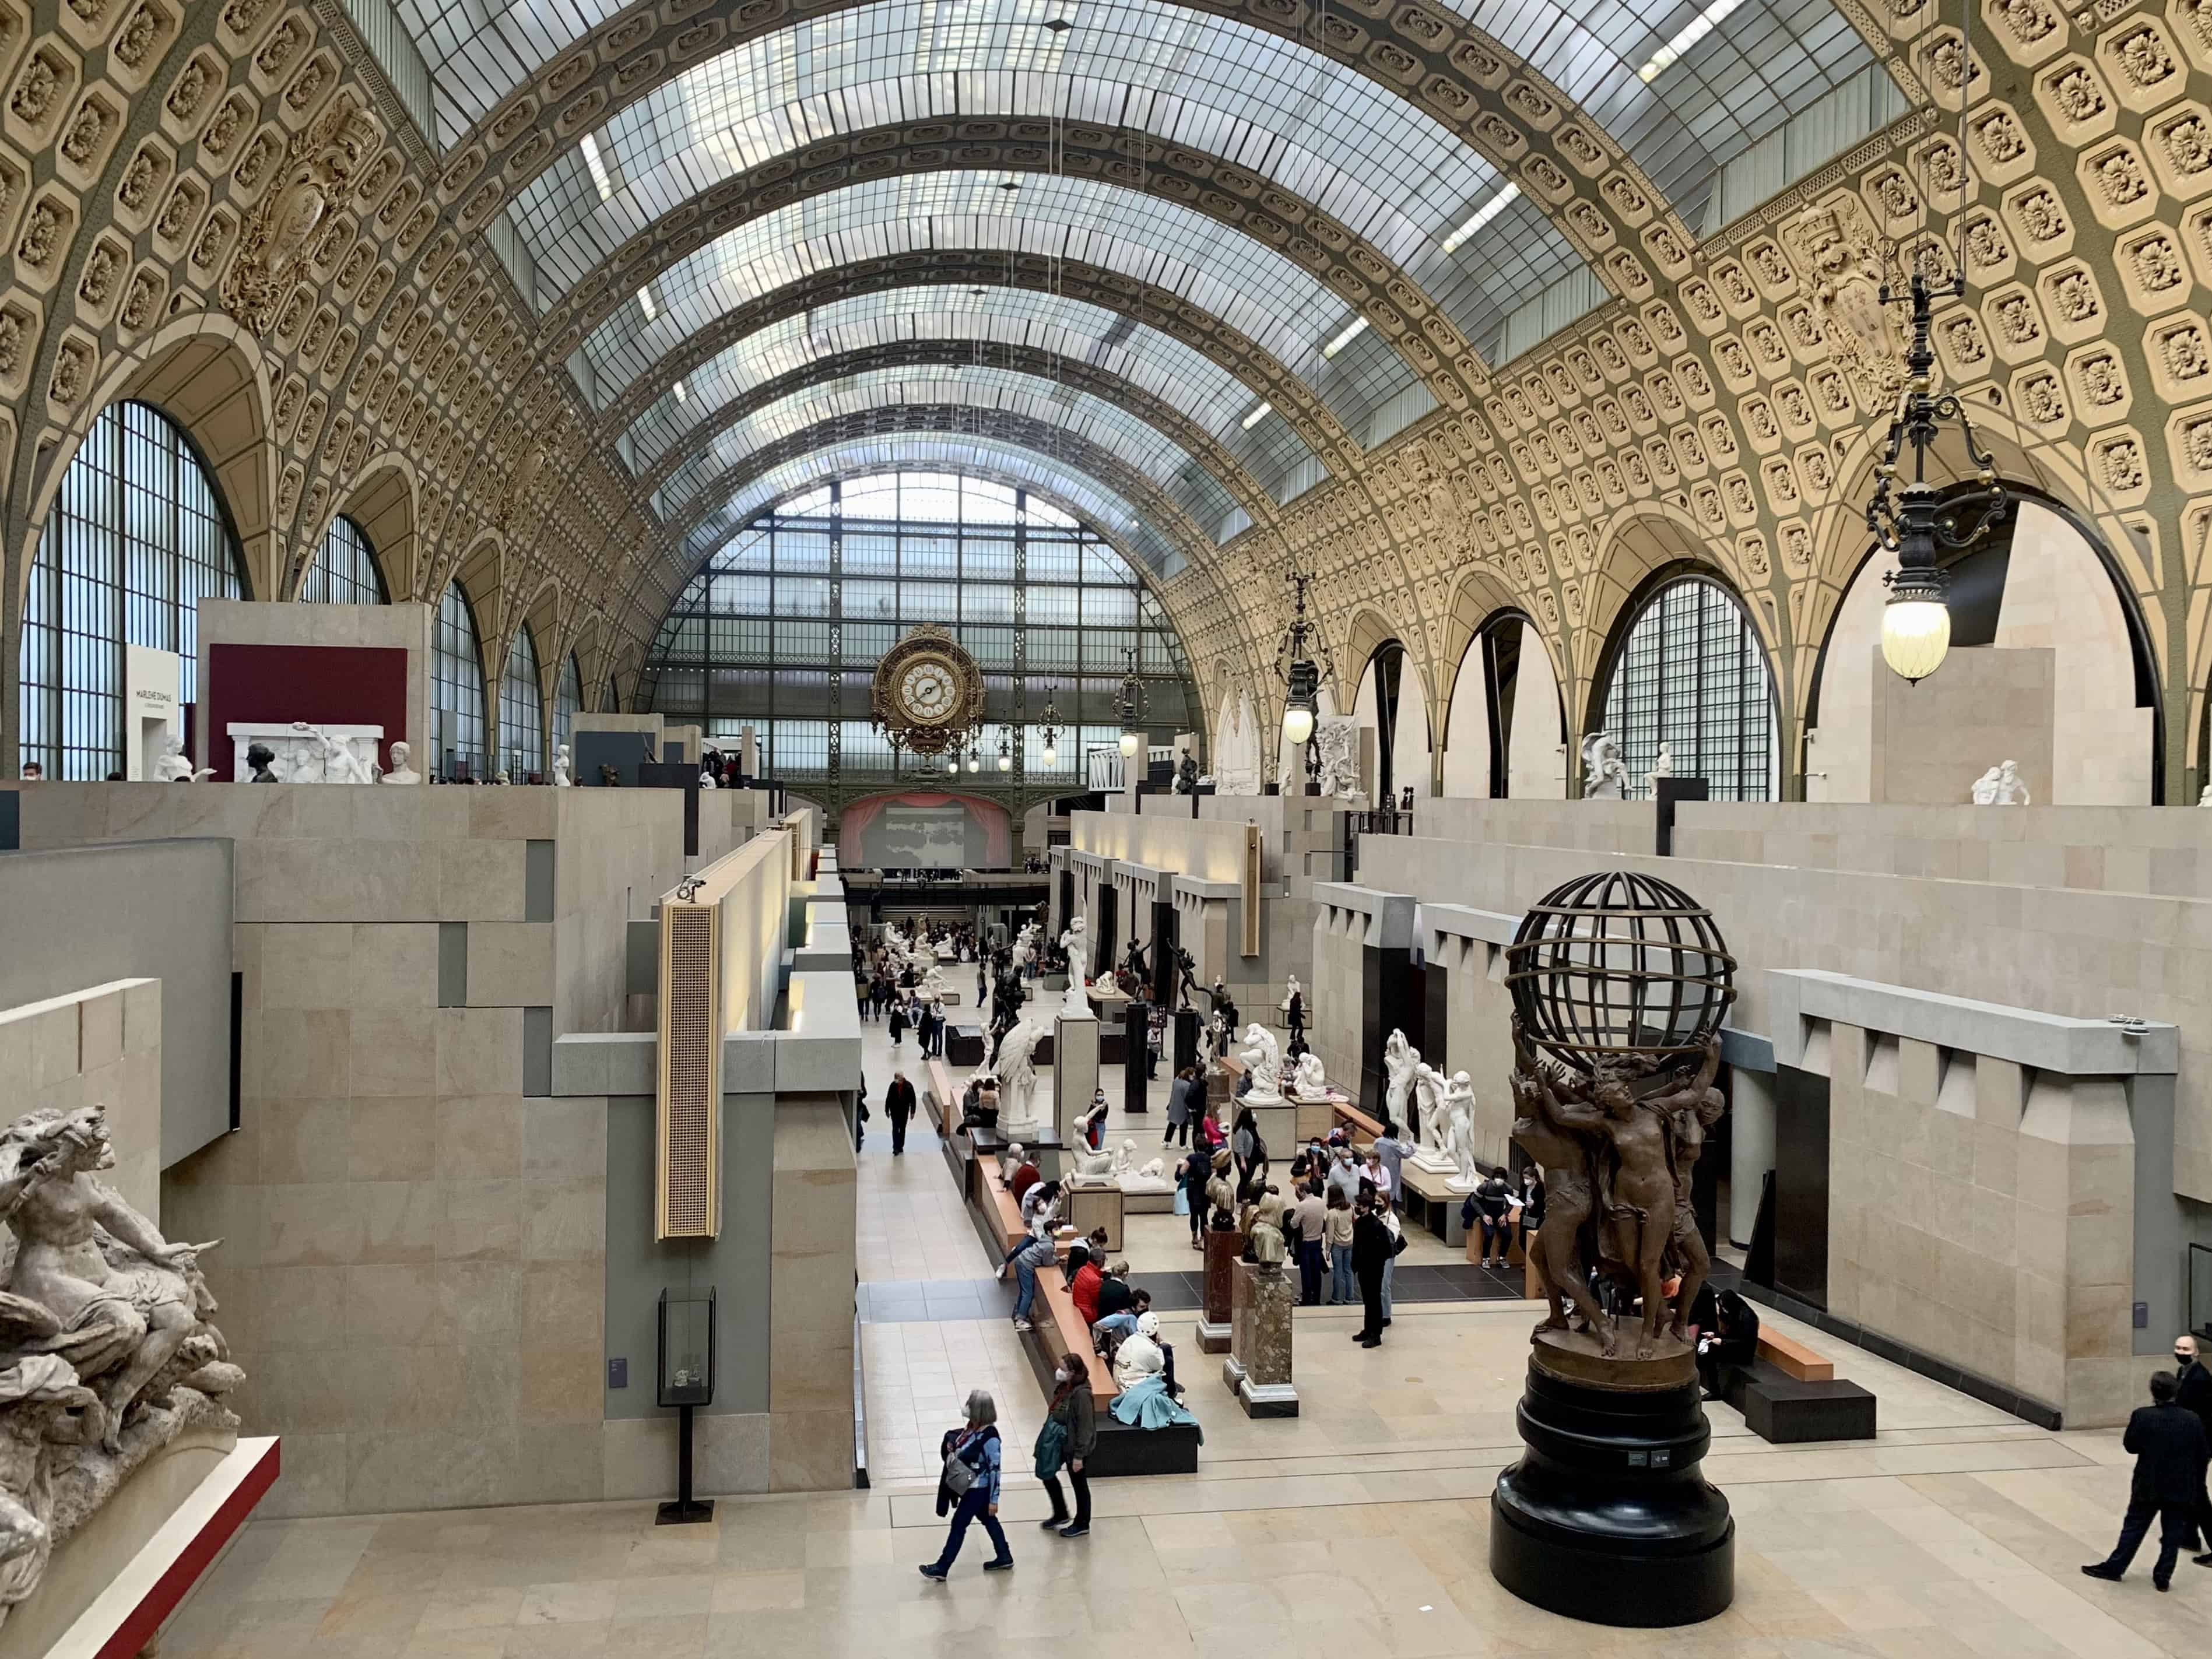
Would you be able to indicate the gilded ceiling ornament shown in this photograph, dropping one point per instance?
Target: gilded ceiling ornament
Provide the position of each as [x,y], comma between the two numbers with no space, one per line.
[320,164]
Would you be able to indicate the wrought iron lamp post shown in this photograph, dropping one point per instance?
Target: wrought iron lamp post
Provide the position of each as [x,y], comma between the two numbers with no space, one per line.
[1129,704]
[1301,676]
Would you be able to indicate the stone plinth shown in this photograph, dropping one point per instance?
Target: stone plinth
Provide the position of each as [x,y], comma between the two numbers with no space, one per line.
[1096,1204]
[1258,1368]
[1223,1245]
[1074,1071]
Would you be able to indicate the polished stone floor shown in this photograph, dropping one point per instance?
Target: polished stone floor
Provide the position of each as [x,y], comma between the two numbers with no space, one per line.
[1358,1528]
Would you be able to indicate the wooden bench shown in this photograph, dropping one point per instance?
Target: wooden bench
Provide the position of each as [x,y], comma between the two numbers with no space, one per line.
[1793,1359]
[943,1098]
[1359,1122]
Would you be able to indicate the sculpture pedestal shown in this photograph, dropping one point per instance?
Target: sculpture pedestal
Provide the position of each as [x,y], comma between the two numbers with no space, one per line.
[1074,1071]
[1136,1056]
[1610,1492]
[1223,1246]
[1186,1037]
[1258,1368]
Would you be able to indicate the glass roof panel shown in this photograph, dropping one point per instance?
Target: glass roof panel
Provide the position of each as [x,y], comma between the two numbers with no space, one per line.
[1109,513]
[1154,362]
[1325,132]
[1683,85]
[479,51]
[1224,271]
[1111,427]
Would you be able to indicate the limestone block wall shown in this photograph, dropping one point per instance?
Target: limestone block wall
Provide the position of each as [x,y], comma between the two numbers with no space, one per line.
[1927,743]
[1984,1212]
[1469,947]
[1600,826]
[2096,849]
[415,1232]
[97,1047]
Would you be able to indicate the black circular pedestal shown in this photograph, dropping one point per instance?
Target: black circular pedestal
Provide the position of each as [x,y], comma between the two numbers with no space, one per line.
[1607,1517]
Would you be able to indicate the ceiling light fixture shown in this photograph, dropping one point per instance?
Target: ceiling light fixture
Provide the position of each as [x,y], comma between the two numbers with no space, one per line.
[645,302]
[1351,332]
[1483,215]
[1693,31]
[598,169]
[1260,412]
[681,395]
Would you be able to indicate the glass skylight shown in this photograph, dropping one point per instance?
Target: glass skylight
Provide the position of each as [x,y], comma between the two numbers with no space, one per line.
[1154,362]
[1110,427]
[1225,271]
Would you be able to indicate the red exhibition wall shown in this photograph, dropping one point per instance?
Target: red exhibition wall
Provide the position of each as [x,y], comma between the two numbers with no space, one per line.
[321,684]
[993,830]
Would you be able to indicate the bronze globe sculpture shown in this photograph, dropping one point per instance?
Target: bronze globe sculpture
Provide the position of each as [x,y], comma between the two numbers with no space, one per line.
[1619,982]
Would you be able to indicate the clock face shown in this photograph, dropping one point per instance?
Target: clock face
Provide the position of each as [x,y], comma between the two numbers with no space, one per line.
[927,692]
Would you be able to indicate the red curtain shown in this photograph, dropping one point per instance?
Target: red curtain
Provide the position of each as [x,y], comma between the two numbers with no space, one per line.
[997,828]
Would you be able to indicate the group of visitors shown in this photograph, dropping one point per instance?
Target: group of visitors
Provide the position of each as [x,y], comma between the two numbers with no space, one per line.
[925,1019]
[2171,1440]
[1506,1214]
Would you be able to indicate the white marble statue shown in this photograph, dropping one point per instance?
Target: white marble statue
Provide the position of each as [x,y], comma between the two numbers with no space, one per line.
[562,766]
[1017,1078]
[1434,1142]
[1025,948]
[1398,1062]
[707,778]
[1605,774]
[340,763]
[1075,945]
[1125,1158]
[1458,1109]
[1307,1080]
[1263,1064]
[1093,1168]
[1338,741]
[1661,767]
[2205,796]
[2001,786]
[172,767]
[402,771]
[105,1353]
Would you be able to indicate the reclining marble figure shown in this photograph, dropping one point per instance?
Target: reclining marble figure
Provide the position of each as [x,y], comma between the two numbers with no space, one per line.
[107,1355]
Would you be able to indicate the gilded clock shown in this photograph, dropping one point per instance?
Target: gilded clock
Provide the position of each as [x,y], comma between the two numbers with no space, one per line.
[928,692]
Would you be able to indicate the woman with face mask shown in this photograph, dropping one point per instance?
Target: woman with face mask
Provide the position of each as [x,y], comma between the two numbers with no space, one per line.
[1077,1415]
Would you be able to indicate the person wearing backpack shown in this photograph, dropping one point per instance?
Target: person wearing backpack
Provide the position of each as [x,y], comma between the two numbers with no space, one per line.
[1070,1435]
[968,1487]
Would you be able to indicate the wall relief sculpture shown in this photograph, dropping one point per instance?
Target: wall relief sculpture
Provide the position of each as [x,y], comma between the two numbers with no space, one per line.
[107,1355]
[1850,266]
[319,166]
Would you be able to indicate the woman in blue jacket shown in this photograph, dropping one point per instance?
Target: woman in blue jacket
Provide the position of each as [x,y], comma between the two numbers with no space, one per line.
[975,1448]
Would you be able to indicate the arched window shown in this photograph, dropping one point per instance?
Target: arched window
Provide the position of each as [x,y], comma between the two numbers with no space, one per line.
[344,572]
[136,539]
[568,700]
[521,709]
[1690,673]
[457,689]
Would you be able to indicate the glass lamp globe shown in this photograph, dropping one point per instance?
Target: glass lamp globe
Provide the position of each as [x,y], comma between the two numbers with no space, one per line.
[1005,761]
[1915,624]
[1051,754]
[1128,746]
[1298,724]
[974,763]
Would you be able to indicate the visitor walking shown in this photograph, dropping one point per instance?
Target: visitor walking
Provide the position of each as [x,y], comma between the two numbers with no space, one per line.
[898,1103]
[2170,1450]
[1179,1107]
[898,1023]
[1076,1415]
[968,1485]
[1196,1168]
[2195,1395]
[1371,1252]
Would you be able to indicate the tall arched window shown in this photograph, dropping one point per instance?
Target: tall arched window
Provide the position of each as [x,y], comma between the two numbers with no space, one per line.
[568,700]
[137,539]
[344,572]
[456,688]
[521,709]
[1690,673]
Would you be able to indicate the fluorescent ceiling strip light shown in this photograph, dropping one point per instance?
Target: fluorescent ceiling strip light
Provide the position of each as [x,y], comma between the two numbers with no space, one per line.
[1693,31]
[1350,333]
[1483,215]
[598,169]
[1258,415]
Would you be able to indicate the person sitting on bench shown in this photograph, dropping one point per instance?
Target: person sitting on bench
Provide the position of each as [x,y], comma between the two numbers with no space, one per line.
[1734,1341]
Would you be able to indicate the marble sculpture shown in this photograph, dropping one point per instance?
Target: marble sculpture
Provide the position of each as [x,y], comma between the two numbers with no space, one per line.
[1458,1112]
[1605,774]
[403,771]
[1307,1080]
[1434,1152]
[1398,1062]
[562,766]
[1017,1080]
[2001,786]
[340,763]
[1337,741]
[1661,767]
[107,1355]
[1263,1064]
[174,768]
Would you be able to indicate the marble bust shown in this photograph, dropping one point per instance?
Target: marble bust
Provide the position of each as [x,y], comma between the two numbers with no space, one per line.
[401,771]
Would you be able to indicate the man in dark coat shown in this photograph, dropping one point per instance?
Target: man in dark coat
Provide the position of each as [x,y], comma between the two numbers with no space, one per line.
[2195,1395]
[898,1101]
[1371,1251]
[2170,1451]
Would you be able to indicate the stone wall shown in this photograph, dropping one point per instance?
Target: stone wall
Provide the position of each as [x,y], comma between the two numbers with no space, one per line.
[98,1047]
